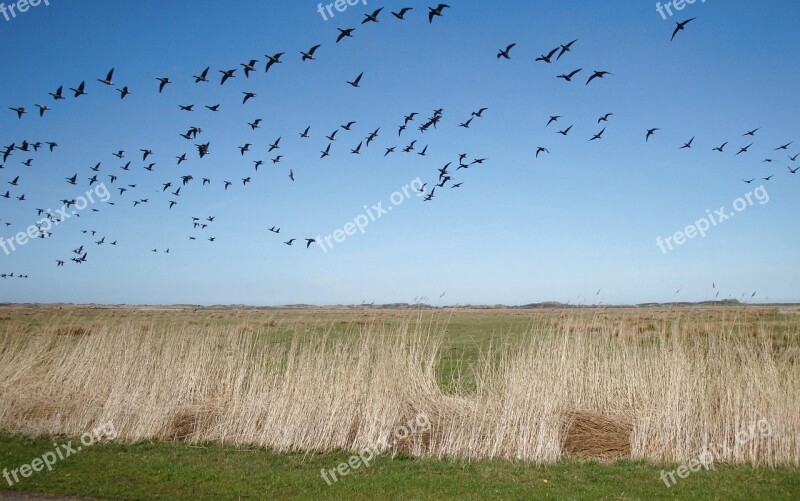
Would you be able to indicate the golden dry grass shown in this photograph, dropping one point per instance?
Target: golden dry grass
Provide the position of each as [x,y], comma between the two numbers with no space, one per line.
[603,385]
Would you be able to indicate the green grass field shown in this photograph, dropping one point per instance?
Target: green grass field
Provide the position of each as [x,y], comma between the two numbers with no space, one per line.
[191,469]
[178,471]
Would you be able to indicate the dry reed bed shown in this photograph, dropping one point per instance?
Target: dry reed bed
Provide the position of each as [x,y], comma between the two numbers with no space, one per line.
[583,388]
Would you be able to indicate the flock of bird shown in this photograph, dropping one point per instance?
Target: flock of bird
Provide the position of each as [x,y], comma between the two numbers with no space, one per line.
[169,191]
[172,189]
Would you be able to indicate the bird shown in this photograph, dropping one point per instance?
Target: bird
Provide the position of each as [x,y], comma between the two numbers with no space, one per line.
[226,75]
[356,83]
[767,178]
[108,79]
[568,77]
[164,81]
[680,27]
[565,48]
[507,52]
[389,150]
[344,33]
[541,149]
[123,92]
[604,118]
[357,150]
[20,111]
[793,171]
[309,56]
[326,152]
[290,242]
[42,109]
[203,77]
[304,134]
[214,108]
[479,113]
[548,58]
[189,107]
[401,15]
[244,149]
[72,180]
[751,133]
[466,124]
[372,18]
[348,125]
[274,59]
[58,94]
[744,150]
[784,147]
[687,145]
[721,147]
[80,91]
[255,123]
[597,74]
[748,182]
[565,131]
[249,67]
[248,96]
[552,119]
[437,12]
[274,146]
[650,132]
[291,175]
[599,135]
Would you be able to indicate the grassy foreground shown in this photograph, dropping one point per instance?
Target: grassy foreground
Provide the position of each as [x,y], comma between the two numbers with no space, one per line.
[175,471]
[215,403]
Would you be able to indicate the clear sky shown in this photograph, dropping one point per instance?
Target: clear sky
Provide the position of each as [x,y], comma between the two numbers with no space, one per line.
[520,229]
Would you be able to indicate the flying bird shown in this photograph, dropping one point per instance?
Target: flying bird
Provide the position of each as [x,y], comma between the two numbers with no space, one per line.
[164,82]
[565,49]
[568,77]
[548,58]
[650,132]
[680,27]
[437,12]
[402,14]
[203,77]
[346,33]
[373,18]
[108,79]
[599,135]
[274,59]
[80,91]
[310,54]
[506,53]
[356,83]
[598,74]
[226,75]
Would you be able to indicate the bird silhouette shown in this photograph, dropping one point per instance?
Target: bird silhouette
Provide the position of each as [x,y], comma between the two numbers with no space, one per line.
[680,27]
[507,52]
[436,12]
[568,77]
[548,57]
[401,15]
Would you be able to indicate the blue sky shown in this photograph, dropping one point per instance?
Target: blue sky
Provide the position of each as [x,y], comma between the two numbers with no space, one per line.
[561,227]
